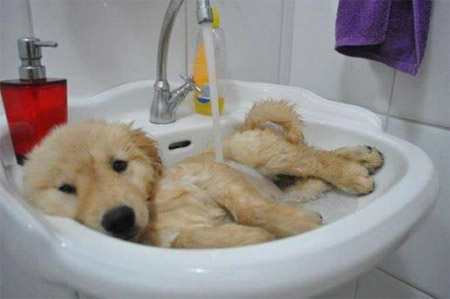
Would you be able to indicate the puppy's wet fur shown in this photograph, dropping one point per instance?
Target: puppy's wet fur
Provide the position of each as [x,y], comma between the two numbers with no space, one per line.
[109,177]
[72,173]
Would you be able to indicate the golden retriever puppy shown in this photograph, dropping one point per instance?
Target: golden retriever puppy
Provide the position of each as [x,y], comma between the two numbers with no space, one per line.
[99,174]
[110,178]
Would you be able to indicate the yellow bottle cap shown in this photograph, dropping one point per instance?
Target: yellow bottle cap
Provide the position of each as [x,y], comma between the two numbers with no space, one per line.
[216,18]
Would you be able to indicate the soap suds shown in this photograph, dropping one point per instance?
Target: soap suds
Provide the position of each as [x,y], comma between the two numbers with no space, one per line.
[332,205]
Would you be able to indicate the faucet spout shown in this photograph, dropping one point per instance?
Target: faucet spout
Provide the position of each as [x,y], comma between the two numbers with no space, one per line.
[165,102]
[204,13]
[164,38]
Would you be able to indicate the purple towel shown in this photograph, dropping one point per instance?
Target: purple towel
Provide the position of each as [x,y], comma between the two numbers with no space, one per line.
[390,31]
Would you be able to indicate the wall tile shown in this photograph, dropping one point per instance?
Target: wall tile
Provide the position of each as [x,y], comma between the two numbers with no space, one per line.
[423,260]
[426,97]
[376,284]
[318,67]
[346,291]
[253,37]
[104,43]
[14,23]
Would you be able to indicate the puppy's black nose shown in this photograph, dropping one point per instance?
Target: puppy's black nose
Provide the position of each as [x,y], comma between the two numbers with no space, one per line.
[120,222]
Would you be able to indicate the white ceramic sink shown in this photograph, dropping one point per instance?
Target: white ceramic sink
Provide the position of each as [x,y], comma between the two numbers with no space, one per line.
[359,232]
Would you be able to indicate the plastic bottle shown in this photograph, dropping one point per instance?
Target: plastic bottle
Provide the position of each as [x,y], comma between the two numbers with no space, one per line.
[202,103]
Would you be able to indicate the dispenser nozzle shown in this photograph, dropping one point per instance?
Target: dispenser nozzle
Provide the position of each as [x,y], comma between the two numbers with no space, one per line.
[30,54]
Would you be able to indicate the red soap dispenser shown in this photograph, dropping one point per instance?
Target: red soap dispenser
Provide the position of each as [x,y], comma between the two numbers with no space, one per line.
[33,104]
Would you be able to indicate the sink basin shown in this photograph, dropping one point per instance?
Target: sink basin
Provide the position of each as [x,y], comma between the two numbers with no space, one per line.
[359,231]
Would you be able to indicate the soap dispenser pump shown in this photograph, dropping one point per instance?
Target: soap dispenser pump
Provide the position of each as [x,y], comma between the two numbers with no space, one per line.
[34,104]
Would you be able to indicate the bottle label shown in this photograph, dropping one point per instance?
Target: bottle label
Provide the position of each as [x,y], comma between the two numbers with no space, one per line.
[204,96]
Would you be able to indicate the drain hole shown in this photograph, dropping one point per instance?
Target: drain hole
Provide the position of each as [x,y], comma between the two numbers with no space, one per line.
[179,144]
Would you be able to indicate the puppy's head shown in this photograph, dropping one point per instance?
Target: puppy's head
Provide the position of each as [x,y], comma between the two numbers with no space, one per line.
[100,174]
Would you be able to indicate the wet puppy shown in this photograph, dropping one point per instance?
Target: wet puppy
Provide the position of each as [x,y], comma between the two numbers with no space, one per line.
[99,174]
[110,178]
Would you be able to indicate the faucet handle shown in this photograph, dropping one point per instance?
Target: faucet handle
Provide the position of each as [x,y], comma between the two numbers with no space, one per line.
[190,81]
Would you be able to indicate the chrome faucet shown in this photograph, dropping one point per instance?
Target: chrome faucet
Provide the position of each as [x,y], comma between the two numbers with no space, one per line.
[165,102]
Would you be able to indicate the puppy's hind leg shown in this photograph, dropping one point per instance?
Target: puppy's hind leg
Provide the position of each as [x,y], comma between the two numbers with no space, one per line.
[368,156]
[226,235]
[233,192]
[271,155]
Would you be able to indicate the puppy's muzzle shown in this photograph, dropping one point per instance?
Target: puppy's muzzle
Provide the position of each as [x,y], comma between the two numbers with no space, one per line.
[120,222]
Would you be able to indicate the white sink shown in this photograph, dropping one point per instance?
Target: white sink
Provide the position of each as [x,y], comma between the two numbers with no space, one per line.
[359,232]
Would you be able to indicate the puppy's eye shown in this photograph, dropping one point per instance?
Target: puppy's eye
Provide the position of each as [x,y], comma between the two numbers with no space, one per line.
[119,165]
[69,189]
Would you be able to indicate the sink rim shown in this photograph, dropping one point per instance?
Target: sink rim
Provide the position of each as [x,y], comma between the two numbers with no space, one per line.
[364,117]
[425,165]
[194,264]
[396,201]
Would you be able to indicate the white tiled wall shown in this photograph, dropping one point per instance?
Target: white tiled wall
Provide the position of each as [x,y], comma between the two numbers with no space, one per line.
[347,290]
[14,23]
[423,261]
[105,43]
[377,284]
[317,67]
[426,97]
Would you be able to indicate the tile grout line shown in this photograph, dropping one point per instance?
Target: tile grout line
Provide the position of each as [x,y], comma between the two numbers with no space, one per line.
[390,101]
[186,59]
[286,42]
[417,122]
[355,293]
[405,282]
[280,54]
[389,115]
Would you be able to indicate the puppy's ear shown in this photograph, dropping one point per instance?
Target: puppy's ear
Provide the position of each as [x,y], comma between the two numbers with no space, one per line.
[148,147]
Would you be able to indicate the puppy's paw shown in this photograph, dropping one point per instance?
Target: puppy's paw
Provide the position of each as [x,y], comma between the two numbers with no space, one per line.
[362,185]
[355,179]
[313,217]
[367,156]
[309,218]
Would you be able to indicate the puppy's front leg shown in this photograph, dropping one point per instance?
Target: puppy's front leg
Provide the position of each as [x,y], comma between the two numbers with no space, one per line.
[232,191]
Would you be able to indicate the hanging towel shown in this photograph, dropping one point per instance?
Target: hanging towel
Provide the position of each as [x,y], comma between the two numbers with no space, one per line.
[393,32]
